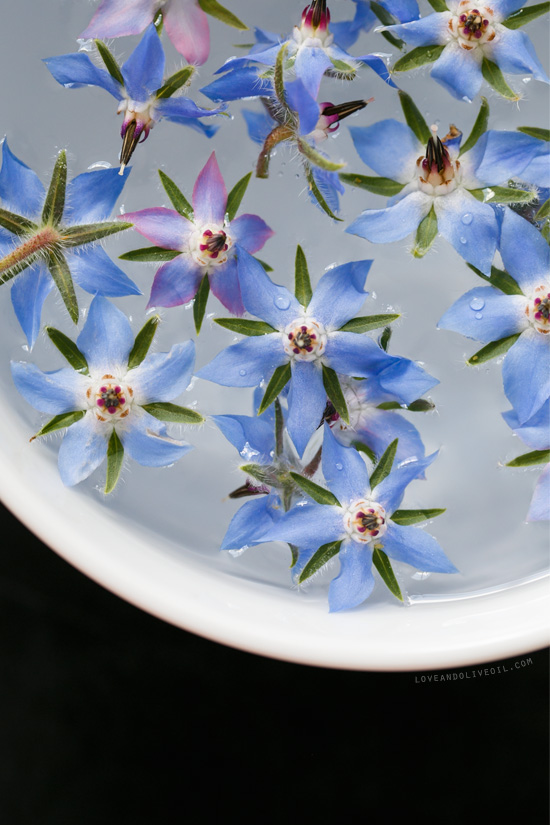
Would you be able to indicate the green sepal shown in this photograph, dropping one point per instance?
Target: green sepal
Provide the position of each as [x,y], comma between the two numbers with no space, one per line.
[264,473]
[110,62]
[200,302]
[438,5]
[502,194]
[244,326]
[316,192]
[295,554]
[383,565]
[416,58]
[363,448]
[385,338]
[302,282]
[314,491]
[332,386]
[500,279]
[530,459]
[383,468]
[165,411]
[317,158]
[345,70]
[236,195]
[279,428]
[214,9]
[368,322]
[495,79]
[319,559]
[263,263]
[534,131]
[395,41]
[60,422]
[54,203]
[493,350]
[544,211]
[68,349]
[90,232]
[175,82]
[523,16]
[379,186]
[387,19]
[479,127]
[278,77]
[414,118]
[425,234]
[421,405]
[62,278]
[277,383]
[115,457]
[407,517]
[149,254]
[142,342]
[16,224]
[177,198]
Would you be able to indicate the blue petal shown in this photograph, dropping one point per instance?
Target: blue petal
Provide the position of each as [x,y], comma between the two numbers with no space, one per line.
[82,450]
[526,373]
[252,520]
[381,427]
[340,294]
[74,71]
[307,399]
[355,581]
[505,155]
[261,297]
[308,525]
[301,102]
[388,147]
[538,170]
[432,29]
[182,109]
[247,363]
[91,196]
[476,241]
[93,270]
[458,71]
[404,10]
[534,432]
[20,188]
[143,72]
[539,509]
[106,338]
[405,380]
[267,57]
[389,493]
[163,375]
[393,223]
[310,65]
[346,32]
[51,392]
[514,53]
[248,433]
[503,8]
[344,470]
[525,253]
[329,185]
[378,64]
[354,354]
[486,314]
[146,442]
[417,548]
[28,293]
[259,125]
[238,84]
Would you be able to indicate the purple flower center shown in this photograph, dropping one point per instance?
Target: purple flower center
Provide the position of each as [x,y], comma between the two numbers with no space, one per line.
[110,399]
[304,339]
[538,309]
[214,243]
[365,520]
[472,26]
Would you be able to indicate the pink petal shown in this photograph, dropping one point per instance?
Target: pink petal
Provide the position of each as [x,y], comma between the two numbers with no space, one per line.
[163,227]
[176,282]
[210,194]
[250,232]
[224,284]
[117,18]
[187,27]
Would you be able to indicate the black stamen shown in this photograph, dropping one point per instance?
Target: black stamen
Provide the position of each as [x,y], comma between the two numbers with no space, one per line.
[319,8]
[249,489]
[129,143]
[436,153]
[343,110]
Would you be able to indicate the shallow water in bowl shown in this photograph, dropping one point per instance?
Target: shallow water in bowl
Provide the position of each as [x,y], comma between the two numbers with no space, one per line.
[185,507]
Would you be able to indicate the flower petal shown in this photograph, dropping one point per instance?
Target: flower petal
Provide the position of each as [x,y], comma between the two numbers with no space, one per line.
[379,64]
[379,428]
[514,53]
[210,194]
[534,432]
[329,185]
[93,270]
[259,125]
[340,294]
[505,155]
[250,232]
[308,525]
[163,376]
[82,450]
[526,373]
[346,32]
[118,18]
[306,401]
[417,548]
[389,147]
[249,522]
[143,72]
[181,109]
[393,223]
[28,293]
[539,509]
[486,314]
[350,353]
[252,436]
[389,493]
[163,227]
[175,283]
[224,283]
[537,171]
[310,65]
[261,297]
[432,29]
[405,380]
[502,8]
[247,363]
[187,27]
[50,392]
[106,338]
[147,443]
[306,107]
[475,238]
[525,253]
[459,71]
[344,470]
[355,581]
[20,188]
[404,10]
[91,196]
[74,71]
[238,84]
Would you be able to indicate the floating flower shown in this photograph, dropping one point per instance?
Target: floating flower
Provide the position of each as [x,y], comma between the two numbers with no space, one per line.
[49,237]
[114,397]
[144,96]
[204,242]
[536,434]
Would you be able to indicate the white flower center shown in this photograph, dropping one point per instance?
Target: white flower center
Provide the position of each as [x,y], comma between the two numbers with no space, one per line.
[209,245]
[109,398]
[142,112]
[538,309]
[305,339]
[472,26]
[365,520]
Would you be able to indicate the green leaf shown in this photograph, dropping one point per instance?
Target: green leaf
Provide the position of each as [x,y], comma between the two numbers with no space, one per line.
[150,253]
[383,565]
[390,405]
[416,58]
[295,553]
[544,211]
[395,41]
[62,278]
[214,9]
[414,118]
[278,381]
[264,473]
[383,468]
[500,280]
[529,459]
[415,516]
[263,263]
[331,384]
[165,411]
[421,405]
[495,79]
[279,428]
[317,158]
[425,234]
[502,194]
[438,5]
[316,192]
[142,342]
[534,131]
[278,77]
[16,224]
[175,82]
[314,491]
[522,16]
[384,340]
[68,349]
[90,232]
[319,559]
[380,186]
[60,422]
[363,448]
[115,457]
[368,322]
[302,282]
[199,304]
[383,14]
[479,127]
[110,63]
[236,195]
[178,199]
[244,326]
[493,350]
[55,197]
[345,70]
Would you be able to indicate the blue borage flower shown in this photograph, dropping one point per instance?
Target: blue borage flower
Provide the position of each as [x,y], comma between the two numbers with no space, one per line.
[469,42]
[305,342]
[536,434]
[144,96]
[113,398]
[513,316]
[356,522]
[435,186]
[47,237]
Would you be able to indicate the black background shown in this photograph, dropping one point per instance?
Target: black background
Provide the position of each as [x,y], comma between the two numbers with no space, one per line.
[112,716]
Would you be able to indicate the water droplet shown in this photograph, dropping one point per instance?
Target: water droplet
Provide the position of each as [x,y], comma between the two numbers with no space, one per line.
[420,576]
[122,209]
[339,466]
[85,45]
[282,302]
[467,218]
[100,164]
[242,372]
[249,453]
[479,316]
[477,304]
[464,240]
[527,79]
